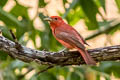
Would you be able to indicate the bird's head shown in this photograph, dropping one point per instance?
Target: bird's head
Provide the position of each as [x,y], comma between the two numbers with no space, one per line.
[55,20]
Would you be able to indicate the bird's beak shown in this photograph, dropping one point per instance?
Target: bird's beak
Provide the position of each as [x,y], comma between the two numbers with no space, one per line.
[48,19]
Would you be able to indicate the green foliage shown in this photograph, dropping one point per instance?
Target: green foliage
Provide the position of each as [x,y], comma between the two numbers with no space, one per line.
[90,9]
[110,67]
[44,76]
[19,10]
[42,3]
[3,2]
[19,21]
[102,3]
[9,19]
[5,32]
[118,4]
[73,10]
[3,56]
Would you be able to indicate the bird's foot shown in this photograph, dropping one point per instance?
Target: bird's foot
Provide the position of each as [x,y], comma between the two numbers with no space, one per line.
[63,51]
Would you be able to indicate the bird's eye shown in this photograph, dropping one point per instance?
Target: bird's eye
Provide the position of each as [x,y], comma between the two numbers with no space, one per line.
[55,18]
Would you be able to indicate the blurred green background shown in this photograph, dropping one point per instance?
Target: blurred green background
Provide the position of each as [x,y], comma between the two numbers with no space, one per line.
[97,20]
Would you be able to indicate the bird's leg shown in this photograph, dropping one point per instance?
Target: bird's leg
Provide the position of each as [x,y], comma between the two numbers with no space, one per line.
[63,51]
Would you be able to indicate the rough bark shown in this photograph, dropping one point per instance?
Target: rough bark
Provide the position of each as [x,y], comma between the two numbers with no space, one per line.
[25,54]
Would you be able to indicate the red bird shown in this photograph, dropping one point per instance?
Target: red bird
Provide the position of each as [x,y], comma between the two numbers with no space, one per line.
[69,37]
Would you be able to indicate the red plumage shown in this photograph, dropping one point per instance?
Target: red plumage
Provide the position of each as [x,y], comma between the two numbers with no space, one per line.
[69,37]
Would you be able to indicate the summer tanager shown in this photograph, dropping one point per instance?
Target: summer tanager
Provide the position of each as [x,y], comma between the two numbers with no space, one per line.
[69,37]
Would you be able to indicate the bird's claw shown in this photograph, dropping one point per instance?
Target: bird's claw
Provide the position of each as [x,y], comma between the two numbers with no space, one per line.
[63,51]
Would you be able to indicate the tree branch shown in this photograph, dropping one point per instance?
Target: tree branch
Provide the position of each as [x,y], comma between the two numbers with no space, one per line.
[51,58]
[107,28]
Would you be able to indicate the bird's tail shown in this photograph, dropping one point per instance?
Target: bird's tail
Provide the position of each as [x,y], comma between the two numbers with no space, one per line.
[86,56]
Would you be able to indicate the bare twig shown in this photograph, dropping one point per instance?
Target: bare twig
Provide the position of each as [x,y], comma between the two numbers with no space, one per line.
[23,75]
[18,46]
[44,70]
[106,29]
[13,36]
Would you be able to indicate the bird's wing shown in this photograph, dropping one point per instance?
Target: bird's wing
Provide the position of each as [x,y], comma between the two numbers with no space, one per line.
[83,40]
[70,38]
